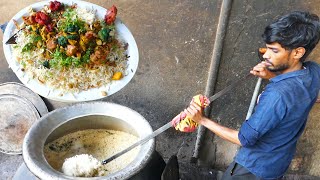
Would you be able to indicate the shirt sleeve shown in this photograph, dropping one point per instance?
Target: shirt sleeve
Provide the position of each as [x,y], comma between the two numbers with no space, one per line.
[268,114]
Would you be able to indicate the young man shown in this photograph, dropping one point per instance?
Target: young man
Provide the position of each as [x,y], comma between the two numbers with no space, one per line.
[268,138]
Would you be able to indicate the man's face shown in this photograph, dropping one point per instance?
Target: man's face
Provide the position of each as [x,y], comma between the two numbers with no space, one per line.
[277,58]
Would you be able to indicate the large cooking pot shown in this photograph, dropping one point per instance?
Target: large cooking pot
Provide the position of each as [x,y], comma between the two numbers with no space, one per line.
[92,115]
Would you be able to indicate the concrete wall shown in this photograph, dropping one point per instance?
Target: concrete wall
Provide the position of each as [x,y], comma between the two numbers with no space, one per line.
[246,24]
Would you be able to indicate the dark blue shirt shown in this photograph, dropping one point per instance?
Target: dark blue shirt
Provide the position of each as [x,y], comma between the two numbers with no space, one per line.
[270,135]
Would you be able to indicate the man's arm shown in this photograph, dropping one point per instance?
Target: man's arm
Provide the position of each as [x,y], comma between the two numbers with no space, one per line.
[194,111]
[228,134]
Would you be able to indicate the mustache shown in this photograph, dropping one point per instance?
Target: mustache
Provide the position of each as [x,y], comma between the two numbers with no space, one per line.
[267,61]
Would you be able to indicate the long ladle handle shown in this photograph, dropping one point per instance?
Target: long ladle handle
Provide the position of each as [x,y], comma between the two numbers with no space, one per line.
[169,124]
[142,141]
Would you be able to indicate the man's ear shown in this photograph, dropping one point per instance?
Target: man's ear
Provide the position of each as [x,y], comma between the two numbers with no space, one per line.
[299,52]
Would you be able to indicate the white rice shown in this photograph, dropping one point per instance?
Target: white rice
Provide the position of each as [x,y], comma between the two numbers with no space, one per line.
[86,15]
[100,143]
[82,165]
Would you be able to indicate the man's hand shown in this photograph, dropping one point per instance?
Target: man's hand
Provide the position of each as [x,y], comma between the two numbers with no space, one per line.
[261,70]
[194,111]
[183,122]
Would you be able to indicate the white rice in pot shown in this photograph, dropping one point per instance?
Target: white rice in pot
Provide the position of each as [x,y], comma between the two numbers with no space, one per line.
[83,165]
[91,146]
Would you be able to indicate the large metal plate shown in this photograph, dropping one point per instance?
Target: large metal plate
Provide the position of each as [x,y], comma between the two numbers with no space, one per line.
[17,114]
[23,91]
[55,94]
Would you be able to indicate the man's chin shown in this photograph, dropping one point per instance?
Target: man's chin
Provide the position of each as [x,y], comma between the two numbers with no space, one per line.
[277,70]
[271,68]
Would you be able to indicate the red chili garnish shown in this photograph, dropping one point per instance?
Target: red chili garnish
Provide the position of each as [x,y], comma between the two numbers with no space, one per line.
[55,6]
[42,18]
[49,27]
[110,17]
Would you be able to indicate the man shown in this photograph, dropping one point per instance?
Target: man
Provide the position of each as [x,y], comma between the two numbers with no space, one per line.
[268,138]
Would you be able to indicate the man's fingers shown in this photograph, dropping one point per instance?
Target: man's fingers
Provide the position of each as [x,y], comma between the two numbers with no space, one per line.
[256,73]
[195,106]
[259,68]
[193,109]
[265,63]
[187,112]
[253,72]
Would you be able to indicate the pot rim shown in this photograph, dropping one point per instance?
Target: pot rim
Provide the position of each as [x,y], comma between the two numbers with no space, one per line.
[33,143]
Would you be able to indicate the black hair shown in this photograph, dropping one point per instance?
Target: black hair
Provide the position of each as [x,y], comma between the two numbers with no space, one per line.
[297,29]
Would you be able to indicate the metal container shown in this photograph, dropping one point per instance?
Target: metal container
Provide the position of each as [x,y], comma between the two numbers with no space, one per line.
[92,115]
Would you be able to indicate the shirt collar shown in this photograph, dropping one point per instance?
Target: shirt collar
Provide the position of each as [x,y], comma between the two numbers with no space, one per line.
[290,75]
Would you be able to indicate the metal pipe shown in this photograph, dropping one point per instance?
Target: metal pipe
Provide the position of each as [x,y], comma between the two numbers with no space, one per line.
[214,65]
[254,98]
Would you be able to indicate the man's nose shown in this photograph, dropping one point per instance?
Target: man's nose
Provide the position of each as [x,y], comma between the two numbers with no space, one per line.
[265,55]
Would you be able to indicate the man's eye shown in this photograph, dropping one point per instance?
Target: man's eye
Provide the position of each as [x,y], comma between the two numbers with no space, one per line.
[275,51]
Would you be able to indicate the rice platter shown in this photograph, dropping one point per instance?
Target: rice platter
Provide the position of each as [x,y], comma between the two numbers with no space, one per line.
[71,51]
[67,48]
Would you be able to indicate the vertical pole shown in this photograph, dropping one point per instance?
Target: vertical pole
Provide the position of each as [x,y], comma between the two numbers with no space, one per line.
[214,66]
[254,98]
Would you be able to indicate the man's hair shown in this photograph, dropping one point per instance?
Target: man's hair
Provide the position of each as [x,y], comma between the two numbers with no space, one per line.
[297,29]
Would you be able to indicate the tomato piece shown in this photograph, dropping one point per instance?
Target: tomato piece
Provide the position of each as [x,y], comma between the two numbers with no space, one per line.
[110,17]
[55,6]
